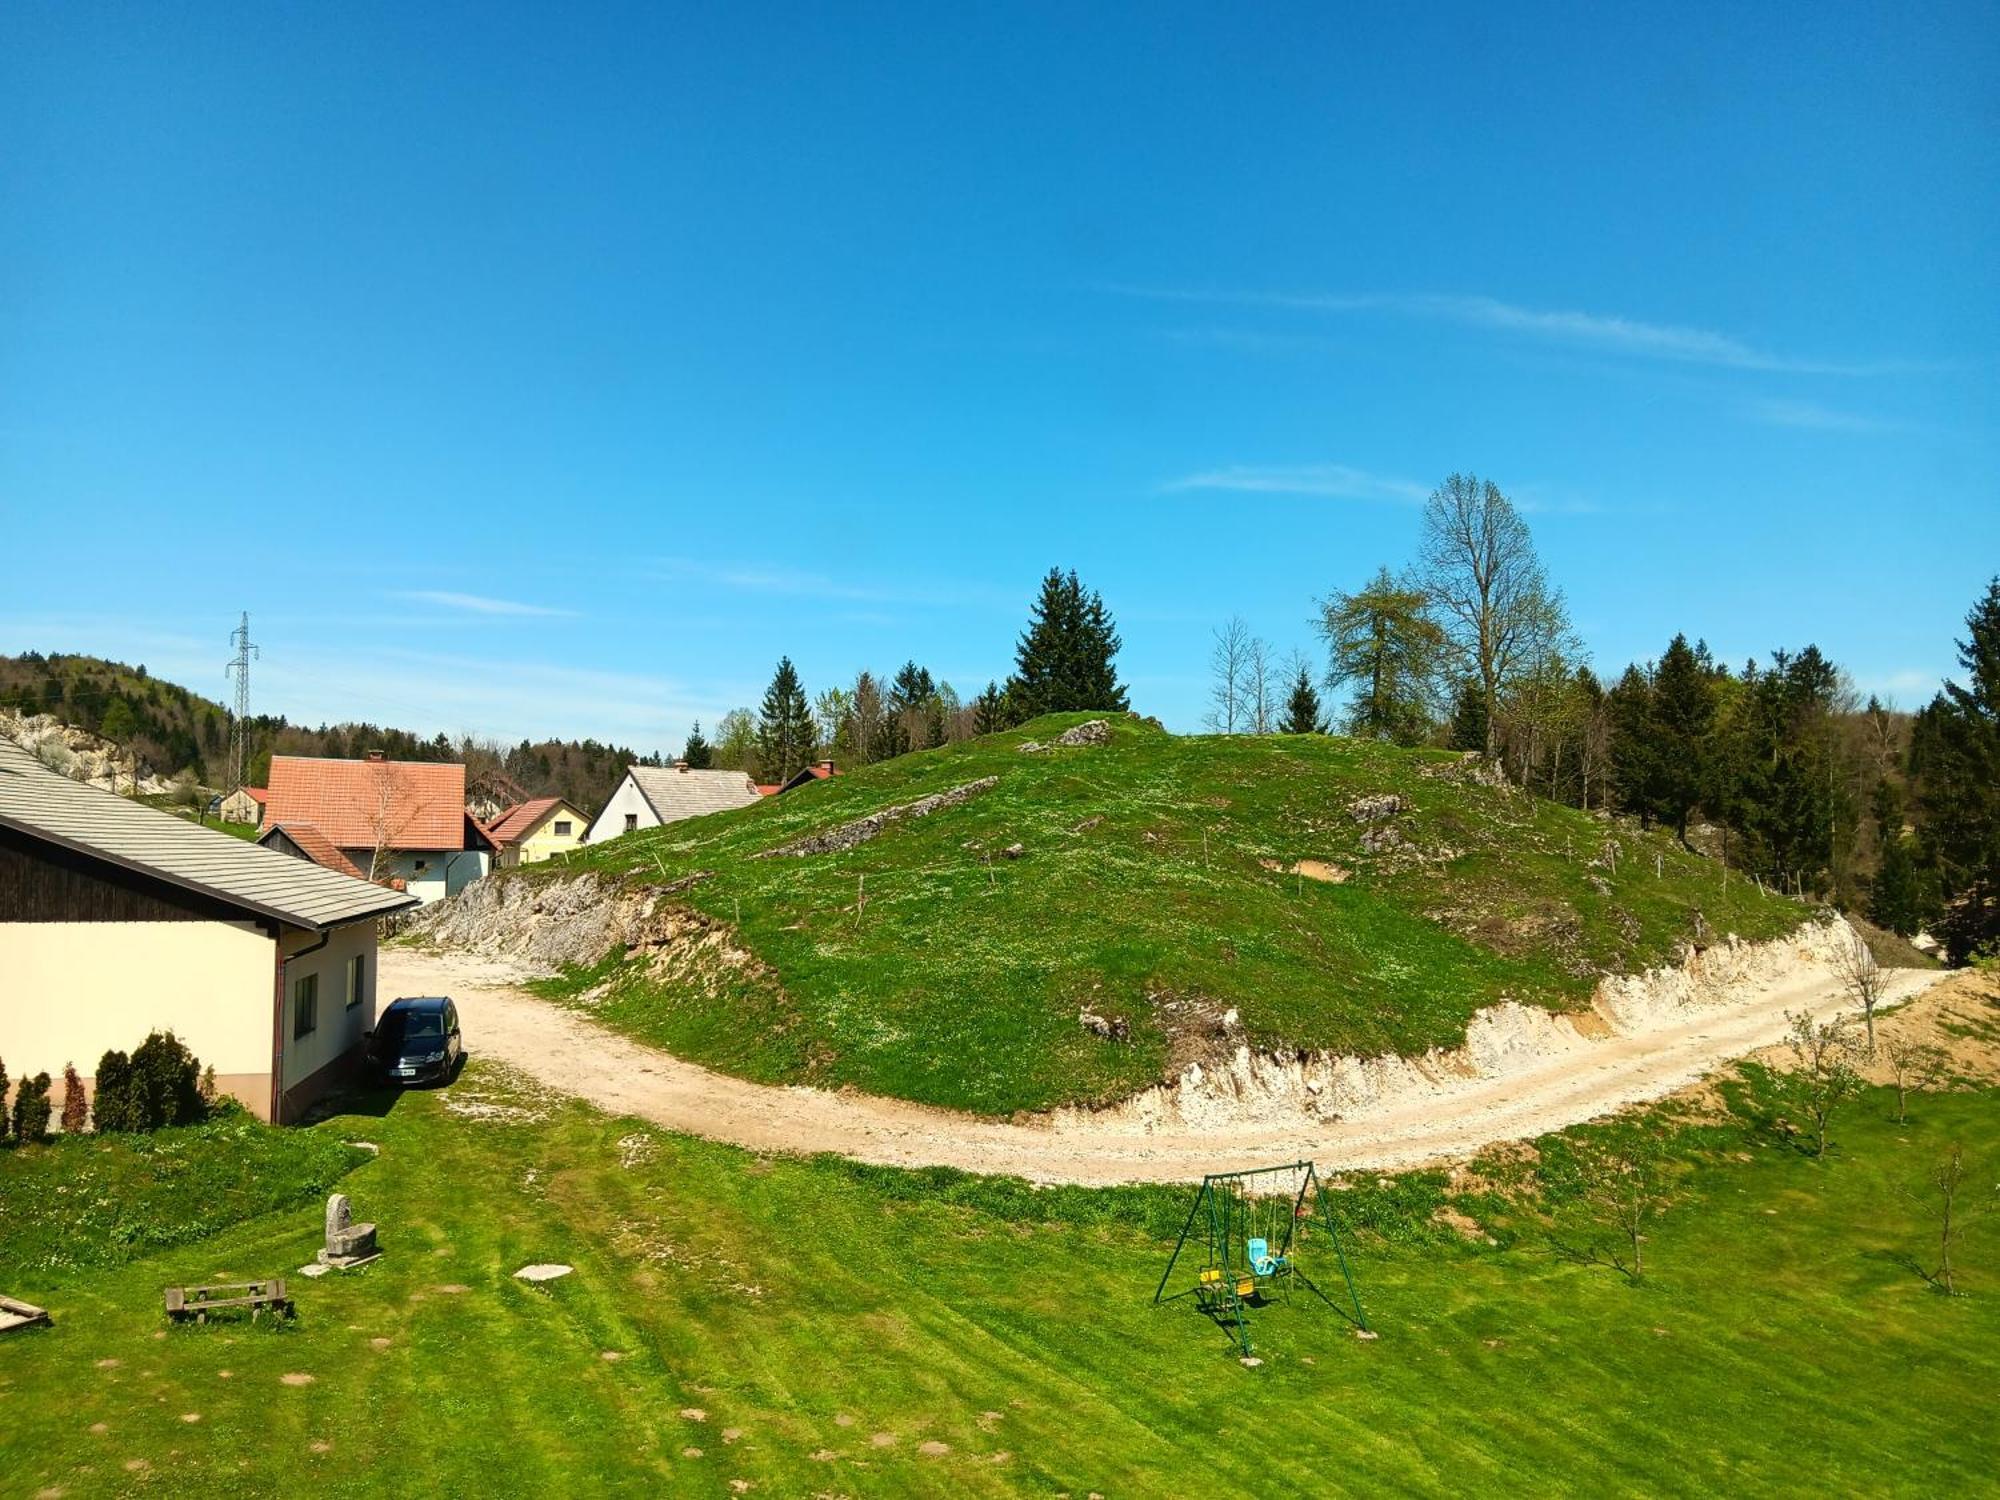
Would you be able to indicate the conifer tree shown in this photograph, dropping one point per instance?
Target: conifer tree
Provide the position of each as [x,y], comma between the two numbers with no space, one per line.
[1302,708]
[1467,730]
[989,710]
[1682,704]
[1634,763]
[697,752]
[1955,761]
[784,726]
[1065,660]
[1382,641]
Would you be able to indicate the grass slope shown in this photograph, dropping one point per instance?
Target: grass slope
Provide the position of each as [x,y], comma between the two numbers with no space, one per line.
[770,1318]
[1142,893]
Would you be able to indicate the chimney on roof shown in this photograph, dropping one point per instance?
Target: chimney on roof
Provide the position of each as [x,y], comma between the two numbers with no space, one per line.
[680,765]
[826,766]
[376,755]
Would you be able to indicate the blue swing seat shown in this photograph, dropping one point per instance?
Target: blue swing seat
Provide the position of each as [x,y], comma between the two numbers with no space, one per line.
[1262,1261]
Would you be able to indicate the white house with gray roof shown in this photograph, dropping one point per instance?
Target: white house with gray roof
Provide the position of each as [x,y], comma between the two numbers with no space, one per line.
[117,920]
[652,795]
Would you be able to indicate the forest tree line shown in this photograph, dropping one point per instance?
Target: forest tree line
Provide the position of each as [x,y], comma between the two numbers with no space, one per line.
[1776,766]
[177,732]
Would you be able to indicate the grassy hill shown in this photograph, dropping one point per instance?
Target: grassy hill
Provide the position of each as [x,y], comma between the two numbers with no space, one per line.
[1154,886]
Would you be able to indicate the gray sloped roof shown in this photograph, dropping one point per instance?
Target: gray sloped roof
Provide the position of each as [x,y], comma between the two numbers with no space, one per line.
[45,805]
[675,794]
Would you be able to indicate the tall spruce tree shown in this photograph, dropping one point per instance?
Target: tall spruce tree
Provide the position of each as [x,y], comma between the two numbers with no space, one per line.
[1066,659]
[1634,752]
[1683,713]
[784,726]
[1302,707]
[1955,762]
[697,752]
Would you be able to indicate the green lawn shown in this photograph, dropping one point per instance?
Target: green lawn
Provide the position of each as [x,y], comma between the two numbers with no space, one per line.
[1144,891]
[771,1318]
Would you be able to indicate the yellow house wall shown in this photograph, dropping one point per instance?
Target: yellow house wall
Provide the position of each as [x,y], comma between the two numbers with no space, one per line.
[71,991]
[544,842]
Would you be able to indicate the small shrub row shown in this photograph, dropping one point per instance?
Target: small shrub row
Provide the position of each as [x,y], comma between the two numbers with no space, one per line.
[159,1085]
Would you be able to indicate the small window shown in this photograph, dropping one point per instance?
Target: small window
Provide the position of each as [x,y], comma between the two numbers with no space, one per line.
[421,866]
[305,1006]
[357,979]
[631,822]
[562,828]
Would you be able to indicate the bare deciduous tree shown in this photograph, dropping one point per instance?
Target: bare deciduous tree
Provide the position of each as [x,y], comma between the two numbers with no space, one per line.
[1260,687]
[1862,978]
[1955,1204]
[1914,1066]
[394,808]
[1626,1188]
[1822,1077]
[1480,572]
[1228,665]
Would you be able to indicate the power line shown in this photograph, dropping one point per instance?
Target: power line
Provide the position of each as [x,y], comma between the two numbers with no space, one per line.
[239,668]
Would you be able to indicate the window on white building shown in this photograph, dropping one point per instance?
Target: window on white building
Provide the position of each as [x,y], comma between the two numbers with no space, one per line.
[305,1006]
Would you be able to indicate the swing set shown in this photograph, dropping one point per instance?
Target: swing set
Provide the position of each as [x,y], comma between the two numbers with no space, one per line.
[1254,1225]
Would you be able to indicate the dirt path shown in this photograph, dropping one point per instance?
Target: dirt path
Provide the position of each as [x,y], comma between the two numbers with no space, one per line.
[569,1053]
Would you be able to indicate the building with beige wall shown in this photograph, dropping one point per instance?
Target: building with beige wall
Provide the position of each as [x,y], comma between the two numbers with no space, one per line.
[117,920]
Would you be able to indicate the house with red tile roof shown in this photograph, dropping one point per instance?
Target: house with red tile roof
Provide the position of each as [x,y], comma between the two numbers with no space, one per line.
[535,830]
[403,823]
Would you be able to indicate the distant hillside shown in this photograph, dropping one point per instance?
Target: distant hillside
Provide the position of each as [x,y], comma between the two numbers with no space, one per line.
[1286,892]
[172,729]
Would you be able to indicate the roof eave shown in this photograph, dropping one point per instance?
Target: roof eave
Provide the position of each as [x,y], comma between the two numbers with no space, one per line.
[398,902]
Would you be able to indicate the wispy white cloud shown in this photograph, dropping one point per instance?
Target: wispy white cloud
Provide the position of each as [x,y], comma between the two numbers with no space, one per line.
[1608,332]
[1329,481]
[1783,412]
[480,604]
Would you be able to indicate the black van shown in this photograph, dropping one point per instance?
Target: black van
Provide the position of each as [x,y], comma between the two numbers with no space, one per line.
[416,1040]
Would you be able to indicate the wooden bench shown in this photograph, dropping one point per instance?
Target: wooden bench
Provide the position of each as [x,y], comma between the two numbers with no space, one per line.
[197,1302]
[17,1314]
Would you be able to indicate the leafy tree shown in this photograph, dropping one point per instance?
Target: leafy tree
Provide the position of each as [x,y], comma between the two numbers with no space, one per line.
[1913,1066]
[119,723]
[832,712]
[736,741]
[784,726]
[697,752]
[1485,583]
[989,711]
[1302,707]
[1065,659]
[1955,762]
[865,726]
[1383,643]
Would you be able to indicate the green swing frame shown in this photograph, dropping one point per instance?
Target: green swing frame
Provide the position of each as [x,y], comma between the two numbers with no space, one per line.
[1223,1215]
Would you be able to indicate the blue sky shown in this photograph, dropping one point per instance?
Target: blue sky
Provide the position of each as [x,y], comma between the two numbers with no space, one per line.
[532,371]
